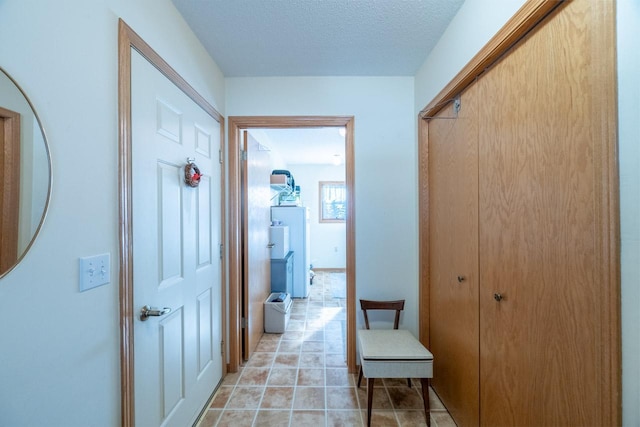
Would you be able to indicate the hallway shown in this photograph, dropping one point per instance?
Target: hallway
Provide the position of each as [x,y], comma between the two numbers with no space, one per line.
[300,378]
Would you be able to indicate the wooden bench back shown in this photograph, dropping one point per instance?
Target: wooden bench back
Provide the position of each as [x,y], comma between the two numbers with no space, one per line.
[398,306]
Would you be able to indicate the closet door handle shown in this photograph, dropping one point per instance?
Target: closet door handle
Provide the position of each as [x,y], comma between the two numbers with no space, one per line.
[461,279]
[147,312]
[497,296]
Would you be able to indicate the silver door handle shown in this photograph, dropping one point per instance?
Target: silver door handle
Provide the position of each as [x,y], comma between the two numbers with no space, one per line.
[146,312]
[271,245]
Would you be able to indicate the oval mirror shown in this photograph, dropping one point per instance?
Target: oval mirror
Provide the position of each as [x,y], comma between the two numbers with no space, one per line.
[25,174]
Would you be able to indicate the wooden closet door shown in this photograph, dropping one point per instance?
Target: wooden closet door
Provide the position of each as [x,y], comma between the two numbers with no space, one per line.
[453,207]
[541,347]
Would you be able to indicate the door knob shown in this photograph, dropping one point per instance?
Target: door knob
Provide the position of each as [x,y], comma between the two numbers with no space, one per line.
[461,279]
[271,245]
[497,296]
[146,312]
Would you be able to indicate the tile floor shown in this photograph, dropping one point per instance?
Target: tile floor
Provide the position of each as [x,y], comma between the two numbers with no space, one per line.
[300,378]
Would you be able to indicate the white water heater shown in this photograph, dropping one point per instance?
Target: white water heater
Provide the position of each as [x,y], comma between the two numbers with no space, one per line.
[279,238]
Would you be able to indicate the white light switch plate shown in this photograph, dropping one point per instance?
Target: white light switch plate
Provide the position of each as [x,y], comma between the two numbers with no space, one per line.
[95,271]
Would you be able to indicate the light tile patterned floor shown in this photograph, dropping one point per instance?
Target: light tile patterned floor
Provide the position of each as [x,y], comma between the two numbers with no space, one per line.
[300,378]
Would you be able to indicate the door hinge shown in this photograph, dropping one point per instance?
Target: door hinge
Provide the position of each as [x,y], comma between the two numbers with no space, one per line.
[243,323]
[221,250]
[220,156]
[243,155]
[222,348]
[457,105]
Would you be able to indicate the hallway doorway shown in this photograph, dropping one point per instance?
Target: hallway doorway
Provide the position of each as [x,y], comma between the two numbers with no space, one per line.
[237,126]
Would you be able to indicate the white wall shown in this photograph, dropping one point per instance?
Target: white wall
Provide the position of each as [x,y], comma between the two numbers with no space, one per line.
[32,174]
[385,167]
[328,239]
[60,350]
[474,25]
[59,357]
[629,145]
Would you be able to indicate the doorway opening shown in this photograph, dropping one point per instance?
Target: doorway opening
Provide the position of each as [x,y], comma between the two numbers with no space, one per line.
[240,143]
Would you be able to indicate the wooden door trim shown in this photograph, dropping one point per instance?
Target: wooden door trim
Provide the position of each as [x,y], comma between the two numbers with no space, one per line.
[10,203]
[235,125]
[607,201]
[525,19]
[423,232]
[530,16]
[127,40]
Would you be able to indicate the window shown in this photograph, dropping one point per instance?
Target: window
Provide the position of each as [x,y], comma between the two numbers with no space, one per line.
[333,201]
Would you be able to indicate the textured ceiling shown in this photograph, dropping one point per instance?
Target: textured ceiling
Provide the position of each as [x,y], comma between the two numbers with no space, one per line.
[249,38]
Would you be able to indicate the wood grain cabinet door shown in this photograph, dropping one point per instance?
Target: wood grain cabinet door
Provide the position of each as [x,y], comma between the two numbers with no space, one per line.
[541,303]
[523,250]
[453,200]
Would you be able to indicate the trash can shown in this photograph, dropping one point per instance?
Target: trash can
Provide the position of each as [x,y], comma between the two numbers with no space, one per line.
[277,310]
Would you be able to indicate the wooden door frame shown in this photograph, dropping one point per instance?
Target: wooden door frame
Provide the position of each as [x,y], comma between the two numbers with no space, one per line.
[10,203]
[128,40]
[530,15]
[235,125]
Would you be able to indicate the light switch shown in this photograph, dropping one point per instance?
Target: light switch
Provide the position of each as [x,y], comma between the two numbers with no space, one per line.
[94,271]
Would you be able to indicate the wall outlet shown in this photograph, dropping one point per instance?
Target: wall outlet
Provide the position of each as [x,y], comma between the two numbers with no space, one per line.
[95,271]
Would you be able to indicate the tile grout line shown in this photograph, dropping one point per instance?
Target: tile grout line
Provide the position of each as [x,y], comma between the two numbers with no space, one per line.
[312,305]
[295,387]
[315,330]
[324,363]
[224,408]
[266,382]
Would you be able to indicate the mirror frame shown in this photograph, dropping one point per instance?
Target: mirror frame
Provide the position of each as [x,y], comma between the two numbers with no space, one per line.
[23,254]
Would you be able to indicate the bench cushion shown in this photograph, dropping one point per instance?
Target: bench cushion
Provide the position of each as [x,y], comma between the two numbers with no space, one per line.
[393,354]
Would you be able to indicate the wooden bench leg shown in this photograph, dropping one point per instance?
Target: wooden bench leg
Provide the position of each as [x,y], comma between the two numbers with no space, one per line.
[369,399]
[425,399]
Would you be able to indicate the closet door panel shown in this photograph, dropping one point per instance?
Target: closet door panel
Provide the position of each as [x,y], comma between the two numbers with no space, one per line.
[453,200]
[539,345]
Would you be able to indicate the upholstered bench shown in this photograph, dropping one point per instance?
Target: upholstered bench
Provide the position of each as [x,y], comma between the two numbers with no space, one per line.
[394,353]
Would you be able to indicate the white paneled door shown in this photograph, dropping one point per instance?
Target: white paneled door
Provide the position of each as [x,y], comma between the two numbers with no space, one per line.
[176,262]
